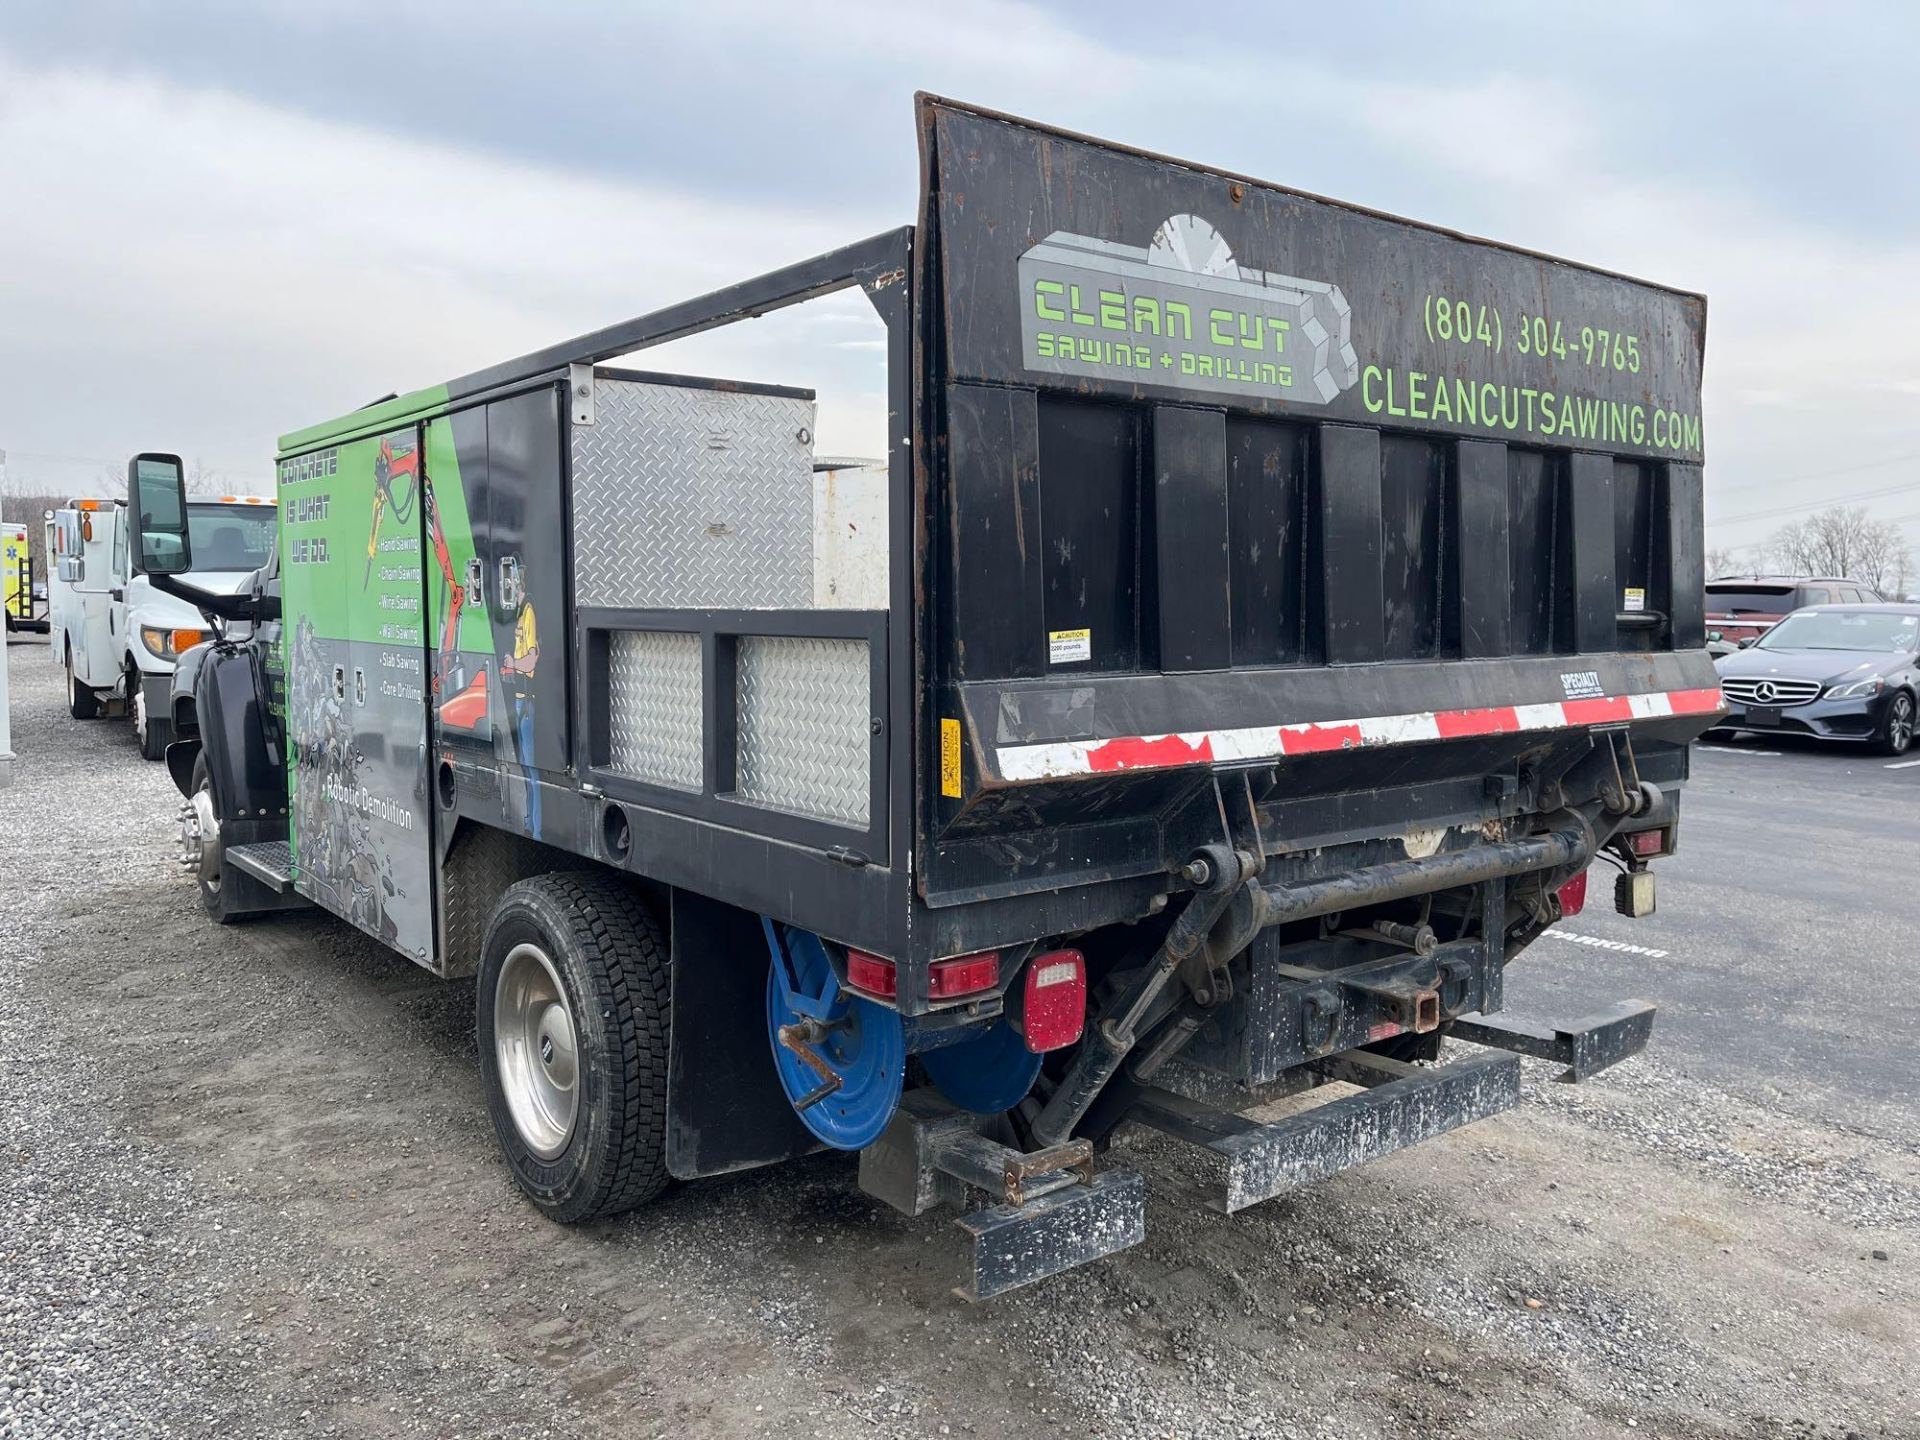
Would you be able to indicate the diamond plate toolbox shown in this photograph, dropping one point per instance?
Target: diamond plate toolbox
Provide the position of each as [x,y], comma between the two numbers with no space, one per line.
[805,732]
[685,496]
[654,721]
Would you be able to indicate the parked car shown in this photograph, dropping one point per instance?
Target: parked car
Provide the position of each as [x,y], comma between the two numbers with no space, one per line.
[1745,607]
[1839,672]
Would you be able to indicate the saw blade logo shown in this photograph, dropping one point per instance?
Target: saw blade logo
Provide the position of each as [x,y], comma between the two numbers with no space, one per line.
[1183,312]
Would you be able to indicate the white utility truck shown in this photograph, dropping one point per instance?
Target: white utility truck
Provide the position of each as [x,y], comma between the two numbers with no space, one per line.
[115,635]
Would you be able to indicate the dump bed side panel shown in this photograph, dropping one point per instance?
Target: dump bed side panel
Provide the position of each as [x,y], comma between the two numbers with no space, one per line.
[1239,478]
[1074,265]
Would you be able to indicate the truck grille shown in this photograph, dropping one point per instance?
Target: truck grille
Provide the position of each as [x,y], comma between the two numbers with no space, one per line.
[1771,692]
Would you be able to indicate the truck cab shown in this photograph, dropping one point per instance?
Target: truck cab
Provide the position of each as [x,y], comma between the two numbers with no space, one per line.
[116,635]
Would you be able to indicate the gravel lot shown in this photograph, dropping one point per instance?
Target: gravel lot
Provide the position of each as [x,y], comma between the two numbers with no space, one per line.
[247,1187]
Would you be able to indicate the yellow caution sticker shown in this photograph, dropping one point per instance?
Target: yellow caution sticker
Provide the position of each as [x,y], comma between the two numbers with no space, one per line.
[1633,599]
[1068,647]
[950,758]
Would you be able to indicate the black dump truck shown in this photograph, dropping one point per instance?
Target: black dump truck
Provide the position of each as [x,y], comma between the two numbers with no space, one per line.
[1285,605]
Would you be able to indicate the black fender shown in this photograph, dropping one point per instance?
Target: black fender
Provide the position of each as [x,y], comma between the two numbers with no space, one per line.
[240,740]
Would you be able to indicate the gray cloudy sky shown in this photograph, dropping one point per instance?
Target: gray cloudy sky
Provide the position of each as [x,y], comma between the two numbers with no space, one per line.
[222,221]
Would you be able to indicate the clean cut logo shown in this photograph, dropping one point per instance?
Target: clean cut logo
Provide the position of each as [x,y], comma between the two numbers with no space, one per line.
[1183,312]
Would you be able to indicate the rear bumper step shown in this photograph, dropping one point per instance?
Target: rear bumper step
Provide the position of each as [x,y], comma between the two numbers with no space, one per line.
[1586,1046]
[1054,1212]
[1015,1245]
[1400,1106]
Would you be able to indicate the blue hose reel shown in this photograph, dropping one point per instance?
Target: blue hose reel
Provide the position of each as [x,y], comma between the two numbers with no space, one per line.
[842,1059]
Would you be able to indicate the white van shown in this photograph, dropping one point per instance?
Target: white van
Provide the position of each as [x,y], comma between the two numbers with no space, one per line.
[116,636]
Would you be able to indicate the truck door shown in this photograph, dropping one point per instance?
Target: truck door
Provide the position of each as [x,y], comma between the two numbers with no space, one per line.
[102,572]
[356,697]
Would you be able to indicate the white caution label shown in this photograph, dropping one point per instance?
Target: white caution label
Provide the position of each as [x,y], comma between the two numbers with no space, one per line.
[1633,599]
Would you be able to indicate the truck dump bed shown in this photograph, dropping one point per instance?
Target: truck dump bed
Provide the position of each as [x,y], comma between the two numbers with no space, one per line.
[1239,483]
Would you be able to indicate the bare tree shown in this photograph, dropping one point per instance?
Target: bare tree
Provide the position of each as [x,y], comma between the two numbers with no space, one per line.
[1847,543]
[1722,561]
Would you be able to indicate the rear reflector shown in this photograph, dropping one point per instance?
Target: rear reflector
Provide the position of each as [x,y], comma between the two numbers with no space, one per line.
[967,975]
[870,973]
[1573,895]
[1055,1008]
[1648,842]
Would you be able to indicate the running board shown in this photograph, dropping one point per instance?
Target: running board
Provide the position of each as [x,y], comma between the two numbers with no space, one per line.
[1586,1046]
[270,862]
[1400,1106]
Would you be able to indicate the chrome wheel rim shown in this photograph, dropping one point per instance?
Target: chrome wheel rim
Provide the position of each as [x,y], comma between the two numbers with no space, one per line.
[538,1054]
[200,836]
[140,713]
[1900,722]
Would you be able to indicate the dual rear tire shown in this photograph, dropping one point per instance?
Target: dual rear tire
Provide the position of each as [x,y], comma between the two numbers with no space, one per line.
[572,1005]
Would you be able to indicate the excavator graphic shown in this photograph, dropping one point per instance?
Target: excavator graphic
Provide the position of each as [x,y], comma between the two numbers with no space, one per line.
[390,469]
[462,702]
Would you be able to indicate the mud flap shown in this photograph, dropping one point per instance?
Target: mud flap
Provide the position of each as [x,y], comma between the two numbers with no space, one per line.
[1400,1106]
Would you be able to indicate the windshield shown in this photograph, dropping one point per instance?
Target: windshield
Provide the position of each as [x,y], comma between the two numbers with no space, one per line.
[1772,601]
[1877,630]
[231,537]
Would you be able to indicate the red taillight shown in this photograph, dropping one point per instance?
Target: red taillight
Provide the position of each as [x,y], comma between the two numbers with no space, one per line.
[870,973]
[1054,1011]
[1573,895]
[1648,842]
[966,975]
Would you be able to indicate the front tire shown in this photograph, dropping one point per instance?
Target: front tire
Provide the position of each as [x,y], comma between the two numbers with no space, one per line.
[82,703]
[1896,731]
[572,1001]
[154,734]
[204,849]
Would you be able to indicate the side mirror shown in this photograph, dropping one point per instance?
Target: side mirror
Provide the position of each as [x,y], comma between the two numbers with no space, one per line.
[1747,644]
[157,497]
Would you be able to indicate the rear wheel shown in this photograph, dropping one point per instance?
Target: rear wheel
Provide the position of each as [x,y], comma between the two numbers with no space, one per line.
[82,703]
[572,1003]
[154,733]
[1896,731]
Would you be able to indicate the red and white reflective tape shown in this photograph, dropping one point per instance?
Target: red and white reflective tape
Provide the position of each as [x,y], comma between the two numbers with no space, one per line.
[1269,742]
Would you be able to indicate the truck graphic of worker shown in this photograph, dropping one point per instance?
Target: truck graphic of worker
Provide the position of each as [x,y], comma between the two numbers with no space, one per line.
[517,670]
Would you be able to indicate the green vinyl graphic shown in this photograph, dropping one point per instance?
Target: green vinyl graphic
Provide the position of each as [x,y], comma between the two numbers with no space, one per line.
[493,572]
[353,638]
